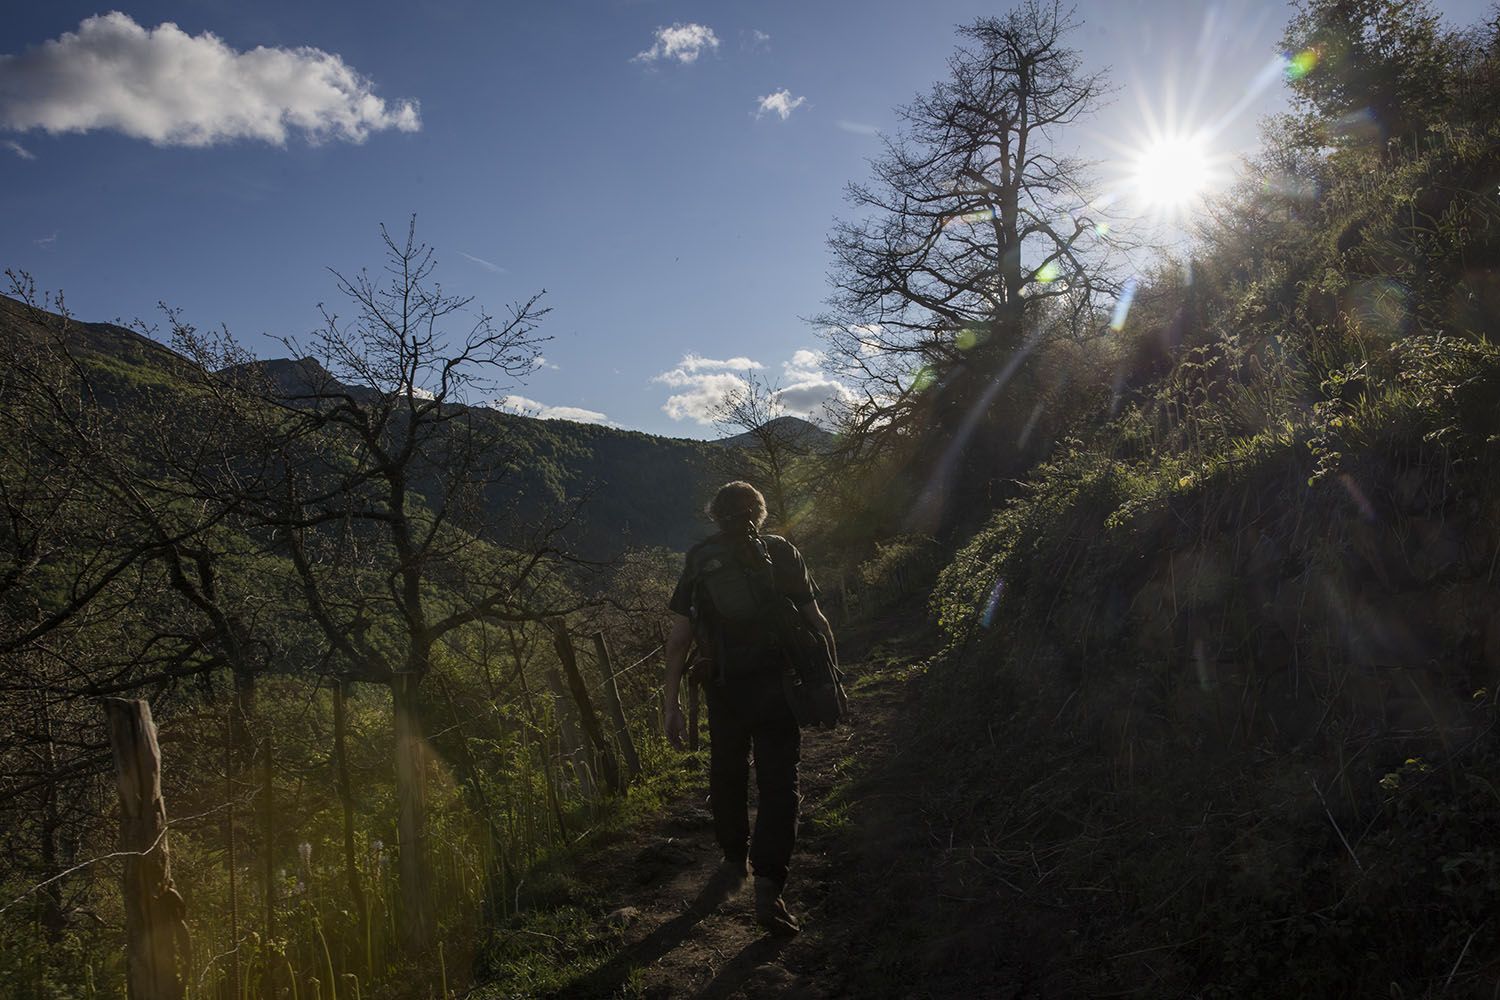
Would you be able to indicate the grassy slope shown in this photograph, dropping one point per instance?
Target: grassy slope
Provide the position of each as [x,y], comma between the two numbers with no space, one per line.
[1219,728]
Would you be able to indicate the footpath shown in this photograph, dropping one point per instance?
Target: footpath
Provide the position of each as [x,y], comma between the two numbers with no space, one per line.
[647,886]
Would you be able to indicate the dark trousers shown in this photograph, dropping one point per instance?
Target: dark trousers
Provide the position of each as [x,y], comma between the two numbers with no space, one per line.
[745,713]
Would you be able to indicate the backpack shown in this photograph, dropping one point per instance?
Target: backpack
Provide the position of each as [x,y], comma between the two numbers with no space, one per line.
[748,625]
[733,588]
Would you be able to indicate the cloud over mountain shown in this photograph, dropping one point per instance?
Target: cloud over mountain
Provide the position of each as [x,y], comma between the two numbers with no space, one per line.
[704,383]
[531,408]
[803,391]
[175,89]
[807,391]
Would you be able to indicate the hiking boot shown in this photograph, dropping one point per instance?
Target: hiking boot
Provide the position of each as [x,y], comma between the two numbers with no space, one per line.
[770,909]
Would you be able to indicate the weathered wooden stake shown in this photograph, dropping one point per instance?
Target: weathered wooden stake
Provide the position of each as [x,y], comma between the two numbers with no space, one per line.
[156,937]
[572,744]
[607,763]
[616,709]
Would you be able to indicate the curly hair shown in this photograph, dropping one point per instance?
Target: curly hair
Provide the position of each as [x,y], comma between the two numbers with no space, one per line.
[737,503]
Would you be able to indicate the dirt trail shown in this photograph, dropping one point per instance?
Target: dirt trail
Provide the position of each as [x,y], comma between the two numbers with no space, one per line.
[671,948]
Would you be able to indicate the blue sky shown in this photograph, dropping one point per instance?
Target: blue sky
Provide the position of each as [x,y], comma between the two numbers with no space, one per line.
[668,214]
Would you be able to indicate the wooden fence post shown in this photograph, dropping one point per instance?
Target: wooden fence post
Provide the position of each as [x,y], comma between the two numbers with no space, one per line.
[156,938]
[586,716]
[616,709]
[572,744]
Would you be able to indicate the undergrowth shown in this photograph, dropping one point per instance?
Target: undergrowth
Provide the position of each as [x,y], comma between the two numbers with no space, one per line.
[1226,718]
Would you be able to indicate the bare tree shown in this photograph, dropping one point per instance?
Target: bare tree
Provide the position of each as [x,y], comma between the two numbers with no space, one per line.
[387,503]
[776,441]
[976,227]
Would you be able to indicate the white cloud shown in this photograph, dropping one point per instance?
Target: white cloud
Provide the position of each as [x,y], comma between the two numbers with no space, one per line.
[683,42]
[808,391]
[870,338]
[858,128]
[47,242]
[705,382]
[759,41]
[175,89]
[18,149]
[697,363]
[489,266]
[703,395]
[542,362]
[810,397]
[531,408]
[804,360]
[780,103]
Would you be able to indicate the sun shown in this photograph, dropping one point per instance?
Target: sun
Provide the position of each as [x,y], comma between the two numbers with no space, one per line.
[1169,173]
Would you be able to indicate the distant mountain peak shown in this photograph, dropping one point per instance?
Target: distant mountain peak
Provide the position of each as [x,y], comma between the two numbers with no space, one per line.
[803,432]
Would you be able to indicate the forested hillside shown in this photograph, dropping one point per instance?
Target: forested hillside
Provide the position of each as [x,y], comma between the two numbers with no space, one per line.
[642,490]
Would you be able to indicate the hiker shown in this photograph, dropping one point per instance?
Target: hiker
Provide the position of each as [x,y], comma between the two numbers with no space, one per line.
[742,665]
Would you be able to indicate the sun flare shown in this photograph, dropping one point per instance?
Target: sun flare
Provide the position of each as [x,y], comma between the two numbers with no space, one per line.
[1171,172]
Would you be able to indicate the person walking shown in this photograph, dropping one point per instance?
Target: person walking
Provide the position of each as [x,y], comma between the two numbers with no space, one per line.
[720,601]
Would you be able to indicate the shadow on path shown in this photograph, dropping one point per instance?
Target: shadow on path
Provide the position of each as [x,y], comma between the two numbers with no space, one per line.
[604,981]
[738,971]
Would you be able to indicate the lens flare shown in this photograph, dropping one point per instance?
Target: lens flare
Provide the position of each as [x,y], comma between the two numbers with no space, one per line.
[1301,64]
[992,605]
[1172,171]
[1122,306]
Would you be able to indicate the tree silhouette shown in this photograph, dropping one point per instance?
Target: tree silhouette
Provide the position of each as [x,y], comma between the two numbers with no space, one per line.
[977,235]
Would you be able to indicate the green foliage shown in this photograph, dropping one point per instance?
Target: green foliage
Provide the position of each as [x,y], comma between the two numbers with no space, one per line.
[115,438]
[1382,58]
[1222,614]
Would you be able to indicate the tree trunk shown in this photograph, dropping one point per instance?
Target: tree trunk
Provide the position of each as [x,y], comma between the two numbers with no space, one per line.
[411,793]
[616,709]
[269,862]
[586,716]
[156,939]
[241,713]
[268,839]
[346,802]
[51,897]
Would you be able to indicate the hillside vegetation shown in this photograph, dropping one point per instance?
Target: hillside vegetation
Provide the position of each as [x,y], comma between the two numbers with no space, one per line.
[1218,714]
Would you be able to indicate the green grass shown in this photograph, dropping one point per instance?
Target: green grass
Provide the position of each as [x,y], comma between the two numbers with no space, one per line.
[836,811]
[561,936]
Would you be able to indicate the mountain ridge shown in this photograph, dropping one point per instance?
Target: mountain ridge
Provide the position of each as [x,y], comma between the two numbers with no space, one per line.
[643,489]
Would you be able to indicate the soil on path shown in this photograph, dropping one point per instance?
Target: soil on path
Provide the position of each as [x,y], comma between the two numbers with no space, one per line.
[674,946]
